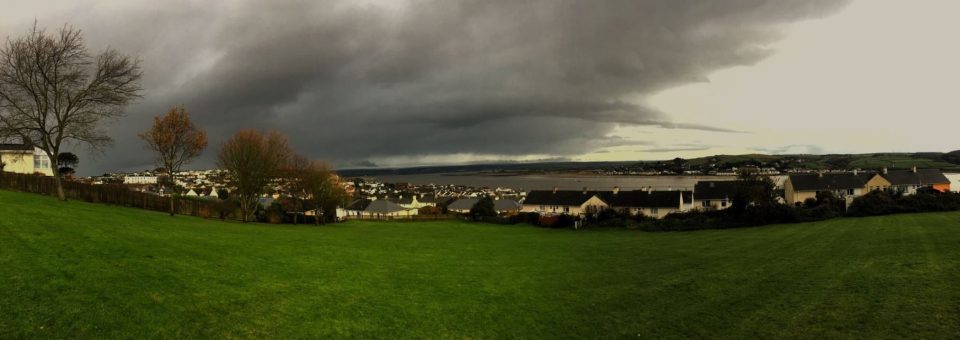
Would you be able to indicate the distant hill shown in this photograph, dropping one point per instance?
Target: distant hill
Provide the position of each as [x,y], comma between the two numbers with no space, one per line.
[946,161]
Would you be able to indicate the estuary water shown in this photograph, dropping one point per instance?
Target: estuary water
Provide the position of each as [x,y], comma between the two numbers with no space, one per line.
[548,181]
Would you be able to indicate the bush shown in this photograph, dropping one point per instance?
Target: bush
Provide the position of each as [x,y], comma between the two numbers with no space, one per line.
[526,217]
[874,203]
[484,207]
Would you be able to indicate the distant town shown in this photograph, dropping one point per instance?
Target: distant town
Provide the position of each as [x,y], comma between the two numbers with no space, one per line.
[796,179]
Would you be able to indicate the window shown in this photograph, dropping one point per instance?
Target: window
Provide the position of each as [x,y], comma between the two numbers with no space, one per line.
[723,204]
[542,208]
[654,211]
[849,191]
[566,209]
[41,162]
[706,204]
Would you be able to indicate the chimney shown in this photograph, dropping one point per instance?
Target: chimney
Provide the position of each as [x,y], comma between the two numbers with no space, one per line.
[554,190]
[884,170]
[914,169]
[616,190]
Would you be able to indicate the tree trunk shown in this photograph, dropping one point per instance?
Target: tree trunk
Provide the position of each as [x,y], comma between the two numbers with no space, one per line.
[173,187]
[59,184]
[316,216]
[245,206]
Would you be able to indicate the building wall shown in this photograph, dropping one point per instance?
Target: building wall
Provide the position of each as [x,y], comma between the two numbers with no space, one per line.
[356,214]
[718,204]
[22,162]
[792,196]
[942,187]
[140,180]
[876,183]
[17,162]
[954,181]
[594,204]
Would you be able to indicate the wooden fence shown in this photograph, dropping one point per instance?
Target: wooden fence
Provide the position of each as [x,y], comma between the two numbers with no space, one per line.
[116,194]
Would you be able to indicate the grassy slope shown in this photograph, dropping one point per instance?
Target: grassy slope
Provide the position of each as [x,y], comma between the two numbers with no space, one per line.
[76,269]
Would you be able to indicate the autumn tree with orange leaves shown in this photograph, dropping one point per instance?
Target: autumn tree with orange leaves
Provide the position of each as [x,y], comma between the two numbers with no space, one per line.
[176,141]
[318,185]
[253,161]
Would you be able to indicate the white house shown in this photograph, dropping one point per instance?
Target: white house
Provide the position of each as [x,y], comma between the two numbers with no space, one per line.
[570,202]
[139,179]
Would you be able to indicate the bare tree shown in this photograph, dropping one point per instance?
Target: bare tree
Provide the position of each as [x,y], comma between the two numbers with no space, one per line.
[53,92]
[176,141]
[253,160]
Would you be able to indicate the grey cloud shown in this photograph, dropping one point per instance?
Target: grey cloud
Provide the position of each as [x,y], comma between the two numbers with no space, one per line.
[365,164]
[792,149]
[663,150]
[350,82]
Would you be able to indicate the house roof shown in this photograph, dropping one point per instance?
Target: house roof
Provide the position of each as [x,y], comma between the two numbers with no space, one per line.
[715,190]
[647,199]
[15,147]
[559,197]
[358,204]
[383,207]
[463,203]
[637,198]
[814,182]
[445,200]
[506,205]
[921,177]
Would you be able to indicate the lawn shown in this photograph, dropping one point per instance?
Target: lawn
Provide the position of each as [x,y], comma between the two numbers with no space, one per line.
[82,270]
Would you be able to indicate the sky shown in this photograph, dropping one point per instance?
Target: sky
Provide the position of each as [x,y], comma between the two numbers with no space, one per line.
[380,83]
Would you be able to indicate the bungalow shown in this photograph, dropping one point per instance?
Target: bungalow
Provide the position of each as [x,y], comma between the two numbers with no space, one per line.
[570,202]
[376,209]
[656,204]
[799,188]
[502,206]
[24,159]
[715,195]
[908,181]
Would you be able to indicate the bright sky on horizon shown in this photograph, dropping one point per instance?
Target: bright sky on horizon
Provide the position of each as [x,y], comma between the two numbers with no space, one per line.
[880,75]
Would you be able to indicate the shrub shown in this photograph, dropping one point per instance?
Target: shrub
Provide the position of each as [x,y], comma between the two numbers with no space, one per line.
[526,217]
[483,207]
[873,203]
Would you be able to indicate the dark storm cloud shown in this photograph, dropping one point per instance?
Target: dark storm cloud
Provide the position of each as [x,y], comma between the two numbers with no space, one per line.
[352,81]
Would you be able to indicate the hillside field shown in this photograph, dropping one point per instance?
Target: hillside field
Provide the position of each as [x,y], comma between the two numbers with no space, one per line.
[79,270]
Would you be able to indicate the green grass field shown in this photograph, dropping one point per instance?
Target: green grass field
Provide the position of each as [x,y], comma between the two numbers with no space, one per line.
[83,270]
